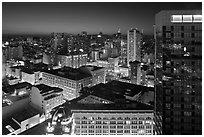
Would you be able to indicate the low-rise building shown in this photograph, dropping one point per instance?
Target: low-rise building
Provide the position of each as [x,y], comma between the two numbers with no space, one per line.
[69,79]
[27,118]
[45,98]
[111,109]
[15,98]
[10,127]
[20,121]
[113,121]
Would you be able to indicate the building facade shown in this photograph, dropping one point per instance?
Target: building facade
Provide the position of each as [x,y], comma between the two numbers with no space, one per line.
[135,72]
[112,122]
[178,87]
[74,61]
[45,98]
[70,80]
[134,38]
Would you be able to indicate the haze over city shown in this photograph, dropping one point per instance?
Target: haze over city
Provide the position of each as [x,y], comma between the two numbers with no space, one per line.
[106,17]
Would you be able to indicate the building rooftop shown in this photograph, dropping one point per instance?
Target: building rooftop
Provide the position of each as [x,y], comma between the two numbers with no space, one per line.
[69,73]
[118,88]
[113,91]
[8,125]
[21,85]
[25,114]
[12,88]
[35,67]
[45,89]
[104,91]
[52,96]
[28,71]
[123,105]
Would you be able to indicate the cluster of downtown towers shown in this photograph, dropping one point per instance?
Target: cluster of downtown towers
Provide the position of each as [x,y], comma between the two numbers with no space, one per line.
[178,70]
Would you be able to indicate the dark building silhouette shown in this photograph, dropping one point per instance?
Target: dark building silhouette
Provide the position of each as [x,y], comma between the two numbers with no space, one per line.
[178,72]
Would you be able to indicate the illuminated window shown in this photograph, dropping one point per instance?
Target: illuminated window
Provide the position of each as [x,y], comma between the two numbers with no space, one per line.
[176,18]
[187,18]
[197,18]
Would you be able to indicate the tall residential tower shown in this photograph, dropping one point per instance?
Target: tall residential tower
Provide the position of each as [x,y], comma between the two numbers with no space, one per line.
[134,38]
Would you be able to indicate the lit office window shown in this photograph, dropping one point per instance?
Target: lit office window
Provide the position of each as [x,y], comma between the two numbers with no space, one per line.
[187,18]
[176,18]
[197,18]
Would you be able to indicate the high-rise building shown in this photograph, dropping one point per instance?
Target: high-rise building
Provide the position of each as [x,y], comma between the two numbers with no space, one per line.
[133,45]
[135,72]
[178,98]
[123,53]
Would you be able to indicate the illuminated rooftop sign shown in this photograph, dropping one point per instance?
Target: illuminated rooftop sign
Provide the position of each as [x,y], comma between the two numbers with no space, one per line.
[186,18]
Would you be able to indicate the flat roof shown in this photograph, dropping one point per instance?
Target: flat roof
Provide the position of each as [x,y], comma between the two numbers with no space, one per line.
[21,85]
[103,91]
[35,67]
[127,105]
[45,89]
[113,91]
[29,71]
[11,123]
[69,73]
[52,96]
[25,114]
[117,88]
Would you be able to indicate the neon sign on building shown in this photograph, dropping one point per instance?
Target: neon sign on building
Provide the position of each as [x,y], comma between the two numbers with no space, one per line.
[186,18]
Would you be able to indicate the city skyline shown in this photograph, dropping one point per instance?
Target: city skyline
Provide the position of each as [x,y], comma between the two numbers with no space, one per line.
[93,17]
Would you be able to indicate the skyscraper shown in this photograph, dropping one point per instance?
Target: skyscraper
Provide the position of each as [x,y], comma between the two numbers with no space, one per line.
[178,104]
[133,45]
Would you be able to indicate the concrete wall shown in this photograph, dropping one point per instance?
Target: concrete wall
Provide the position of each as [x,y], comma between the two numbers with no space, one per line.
[36,98]
[30,122]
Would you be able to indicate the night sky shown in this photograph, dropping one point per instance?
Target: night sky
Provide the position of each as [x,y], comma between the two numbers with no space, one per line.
[47,17]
